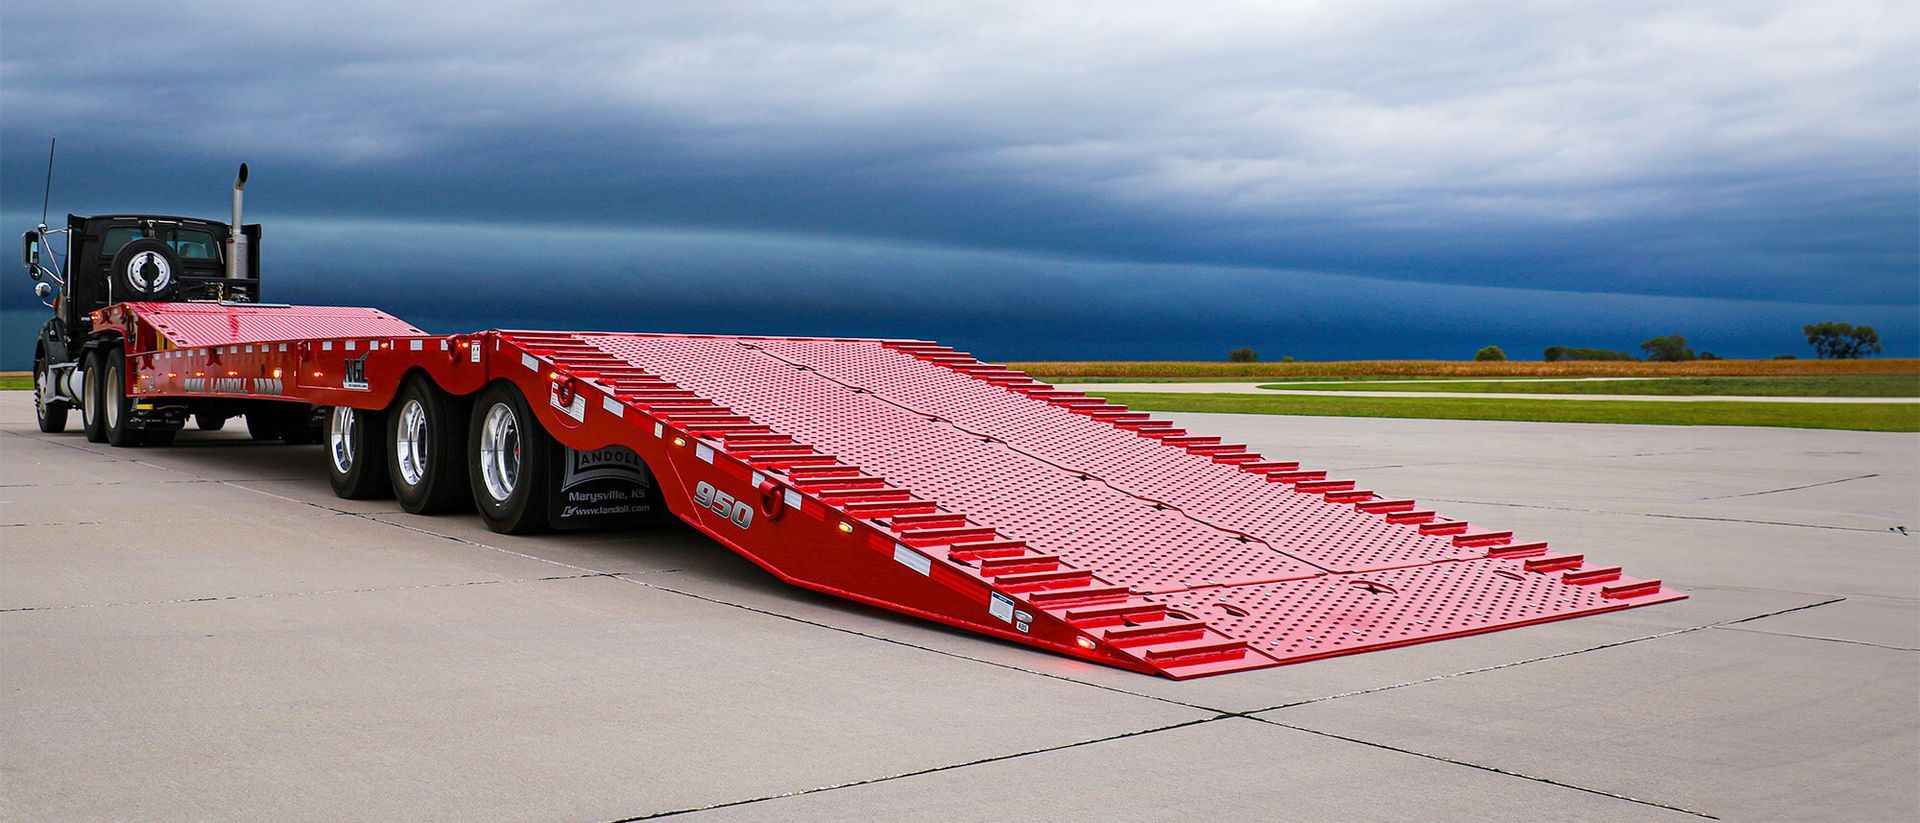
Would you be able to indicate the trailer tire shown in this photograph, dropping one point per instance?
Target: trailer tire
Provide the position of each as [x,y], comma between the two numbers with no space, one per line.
[209,422]
[356,448]
[427,448]
[90,419]
[263,424]
[507,459]
[49,411]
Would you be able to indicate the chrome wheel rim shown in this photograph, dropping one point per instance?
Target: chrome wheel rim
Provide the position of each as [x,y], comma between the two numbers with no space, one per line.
[411,443]
[341,427]
[500,452]
[40,393]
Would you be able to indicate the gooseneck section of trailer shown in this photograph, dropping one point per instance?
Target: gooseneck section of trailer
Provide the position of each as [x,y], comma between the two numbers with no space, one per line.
[915,478]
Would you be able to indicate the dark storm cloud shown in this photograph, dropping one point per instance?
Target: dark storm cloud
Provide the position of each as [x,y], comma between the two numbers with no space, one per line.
[1183,175]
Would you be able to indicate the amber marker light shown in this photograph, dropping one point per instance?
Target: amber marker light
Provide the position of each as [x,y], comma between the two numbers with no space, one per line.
[845,527]
[1085,643]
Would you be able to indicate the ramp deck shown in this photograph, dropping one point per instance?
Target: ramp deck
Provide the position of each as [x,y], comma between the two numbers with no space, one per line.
[1178,552]
[933,484]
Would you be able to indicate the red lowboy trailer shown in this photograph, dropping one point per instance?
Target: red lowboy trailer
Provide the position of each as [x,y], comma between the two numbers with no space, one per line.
[897,473]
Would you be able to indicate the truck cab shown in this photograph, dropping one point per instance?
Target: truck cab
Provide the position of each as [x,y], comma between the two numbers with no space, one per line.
[95,262]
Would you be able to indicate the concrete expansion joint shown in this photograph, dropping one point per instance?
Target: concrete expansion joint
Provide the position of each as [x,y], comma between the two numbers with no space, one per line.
[1496,770]
[930,770]
[1793,488]
[309,593]
[1821,639]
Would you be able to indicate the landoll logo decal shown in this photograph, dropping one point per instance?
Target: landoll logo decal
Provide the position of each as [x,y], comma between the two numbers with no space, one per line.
[616,462]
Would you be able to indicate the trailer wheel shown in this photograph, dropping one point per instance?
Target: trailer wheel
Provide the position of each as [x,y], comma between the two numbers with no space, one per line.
[507,460]
[48,410]
[116,407]
[427,446]
[90,421]
[263,424]
[357,453]
[209,422]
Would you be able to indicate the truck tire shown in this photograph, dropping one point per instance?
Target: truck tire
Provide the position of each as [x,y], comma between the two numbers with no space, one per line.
[263,424]
[90,420]
[116,407]
[297,426]
[507,453]
[49,411]
[144,269]
[427,448]
[356,448]
[209,422]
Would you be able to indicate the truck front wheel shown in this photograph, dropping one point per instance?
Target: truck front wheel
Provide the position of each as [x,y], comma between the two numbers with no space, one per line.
[426,448]
[357,453]
[507,461]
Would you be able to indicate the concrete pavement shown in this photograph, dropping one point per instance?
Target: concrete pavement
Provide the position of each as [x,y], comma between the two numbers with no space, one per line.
[205,632]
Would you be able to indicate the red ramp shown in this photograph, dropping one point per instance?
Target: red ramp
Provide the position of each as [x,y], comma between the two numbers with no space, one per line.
[1067,522]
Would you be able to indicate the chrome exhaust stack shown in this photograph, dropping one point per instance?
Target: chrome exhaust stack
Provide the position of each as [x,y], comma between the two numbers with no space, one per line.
[236,239]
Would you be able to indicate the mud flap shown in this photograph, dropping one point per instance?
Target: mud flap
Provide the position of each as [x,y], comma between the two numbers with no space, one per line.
[602,487]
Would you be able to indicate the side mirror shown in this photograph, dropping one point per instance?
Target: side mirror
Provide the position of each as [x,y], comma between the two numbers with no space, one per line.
[30,252]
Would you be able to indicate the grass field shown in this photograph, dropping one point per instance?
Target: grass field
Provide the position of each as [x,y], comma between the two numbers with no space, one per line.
[1142,371]
[16,380]
[1839,385]
[1896,417]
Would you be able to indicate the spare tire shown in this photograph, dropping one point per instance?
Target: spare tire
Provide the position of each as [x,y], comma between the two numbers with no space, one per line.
[144,269]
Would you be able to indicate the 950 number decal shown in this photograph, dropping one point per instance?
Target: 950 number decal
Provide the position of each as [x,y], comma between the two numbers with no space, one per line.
[723,504]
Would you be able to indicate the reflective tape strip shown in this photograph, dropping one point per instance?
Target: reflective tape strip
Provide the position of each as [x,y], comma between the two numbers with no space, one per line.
[701,451]
[912,559]
[528,361]
[416,345]
[612,406]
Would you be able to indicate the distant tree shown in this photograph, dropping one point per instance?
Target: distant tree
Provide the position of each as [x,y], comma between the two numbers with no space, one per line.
[1558,353]
[1785,357]
[1492,353]
[1707,355]
[1842,341]
[1671,348]
[1287,358]
[1242,355]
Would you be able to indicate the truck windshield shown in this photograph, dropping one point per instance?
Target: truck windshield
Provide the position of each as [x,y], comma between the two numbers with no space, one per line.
[189,244]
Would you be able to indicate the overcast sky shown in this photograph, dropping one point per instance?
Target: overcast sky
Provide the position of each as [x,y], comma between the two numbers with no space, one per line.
[1028,180]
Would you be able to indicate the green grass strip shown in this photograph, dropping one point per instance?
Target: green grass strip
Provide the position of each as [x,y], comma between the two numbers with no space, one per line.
[1892,417]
